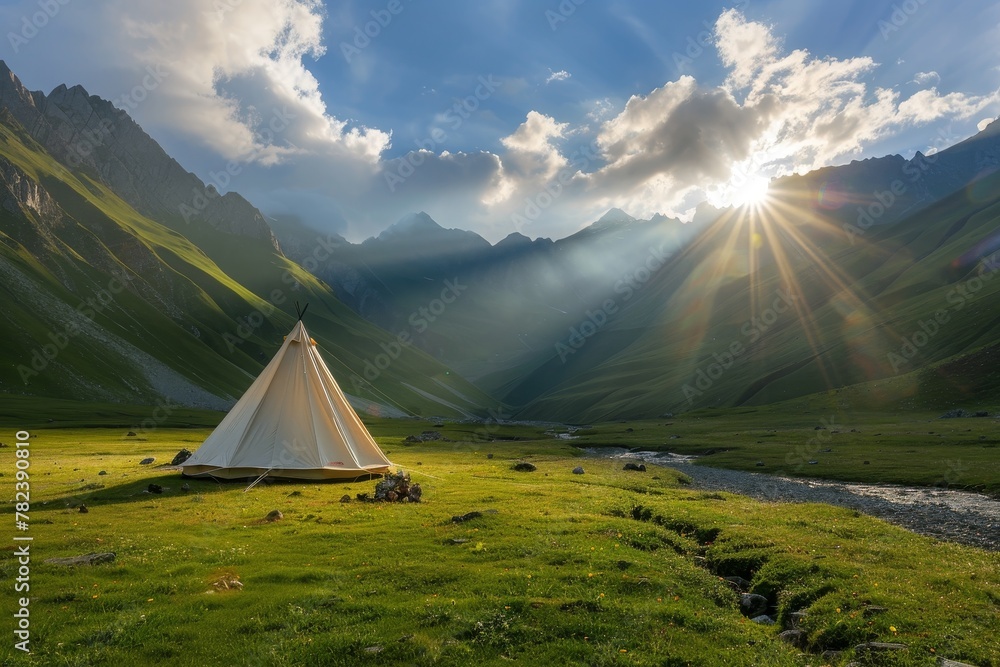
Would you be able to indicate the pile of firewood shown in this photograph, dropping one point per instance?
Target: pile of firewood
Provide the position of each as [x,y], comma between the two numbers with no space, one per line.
[396,488]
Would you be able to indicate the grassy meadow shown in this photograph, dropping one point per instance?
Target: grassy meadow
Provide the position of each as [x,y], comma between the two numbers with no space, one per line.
[605,568]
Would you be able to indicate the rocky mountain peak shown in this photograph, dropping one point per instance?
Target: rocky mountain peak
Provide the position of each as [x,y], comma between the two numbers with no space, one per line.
[86,132]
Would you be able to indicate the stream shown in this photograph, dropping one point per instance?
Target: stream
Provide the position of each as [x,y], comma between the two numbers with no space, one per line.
[946,514]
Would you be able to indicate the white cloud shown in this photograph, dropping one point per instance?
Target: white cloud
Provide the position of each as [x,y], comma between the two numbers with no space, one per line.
[744,46]
[231,66]
[561,75]
[924,78]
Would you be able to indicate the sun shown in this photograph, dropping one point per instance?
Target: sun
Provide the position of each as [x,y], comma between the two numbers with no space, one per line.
[753,191]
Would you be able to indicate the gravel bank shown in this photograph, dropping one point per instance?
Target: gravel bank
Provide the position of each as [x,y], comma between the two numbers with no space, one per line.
[958,516]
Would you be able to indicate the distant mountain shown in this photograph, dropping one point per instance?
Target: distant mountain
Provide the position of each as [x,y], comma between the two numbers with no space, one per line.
[796,299]
[110,295]
[516,300]
[581,329]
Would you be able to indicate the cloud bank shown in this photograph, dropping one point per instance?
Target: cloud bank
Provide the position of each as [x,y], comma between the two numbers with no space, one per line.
[233,65]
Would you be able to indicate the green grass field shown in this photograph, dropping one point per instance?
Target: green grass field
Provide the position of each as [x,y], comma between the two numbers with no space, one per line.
[607,568]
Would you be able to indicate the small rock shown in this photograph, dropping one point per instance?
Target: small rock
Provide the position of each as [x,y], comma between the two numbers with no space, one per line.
[752,605]
[468,516]
[825,451]
[945,662]
[578,470]
[871,610]
[346,498]
[180,457]
[796,617]
[154,488]
[130,434]
[274,515]
[458,540]
[86,559]
[763,619]
[146,461]
[83,509]
[629,430]
[636,468]
[812,463]
[185,487]
[373,649]
[103,472]
[524,466]
[794,637]
[867,463]
[759,464]
[489,456]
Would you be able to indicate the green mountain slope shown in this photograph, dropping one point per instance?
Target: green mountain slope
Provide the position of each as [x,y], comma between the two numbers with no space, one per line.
[103,303]
[782,302]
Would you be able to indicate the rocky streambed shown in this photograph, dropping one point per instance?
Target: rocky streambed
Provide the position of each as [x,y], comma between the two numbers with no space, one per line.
[959,516]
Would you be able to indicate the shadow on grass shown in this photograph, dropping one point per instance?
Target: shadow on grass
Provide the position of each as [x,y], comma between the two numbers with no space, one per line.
[170,483]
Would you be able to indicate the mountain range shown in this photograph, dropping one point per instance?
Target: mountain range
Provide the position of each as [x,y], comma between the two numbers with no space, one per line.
[127,279]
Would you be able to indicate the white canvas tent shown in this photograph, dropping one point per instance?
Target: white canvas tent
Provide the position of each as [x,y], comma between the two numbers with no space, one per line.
[293,422]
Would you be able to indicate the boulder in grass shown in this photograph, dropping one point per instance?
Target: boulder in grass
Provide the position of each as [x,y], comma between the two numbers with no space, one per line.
[640,467]
[180,457]
[794,637]
[146,461]
[86,559]
[524,466]
[763,619]
[345,498]
[752,605]
[154,488]
[468,516]
[578,470]
[274,515]
[945,662]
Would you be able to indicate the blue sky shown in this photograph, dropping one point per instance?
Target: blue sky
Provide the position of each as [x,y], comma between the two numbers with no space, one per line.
[718,90]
